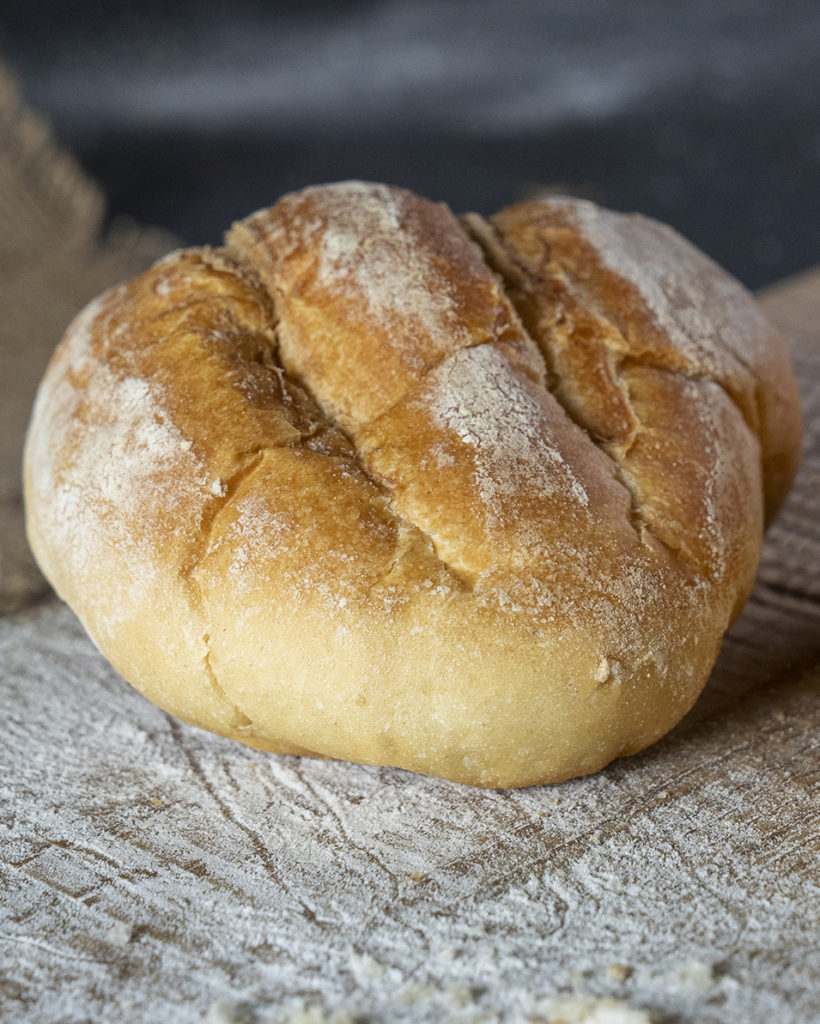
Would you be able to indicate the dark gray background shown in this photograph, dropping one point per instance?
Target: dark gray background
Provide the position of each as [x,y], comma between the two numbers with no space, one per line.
[704,114]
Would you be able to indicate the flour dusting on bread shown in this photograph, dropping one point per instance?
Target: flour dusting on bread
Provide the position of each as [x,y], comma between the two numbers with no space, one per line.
[365,248]
[322,491]
[706,315]
[481,399]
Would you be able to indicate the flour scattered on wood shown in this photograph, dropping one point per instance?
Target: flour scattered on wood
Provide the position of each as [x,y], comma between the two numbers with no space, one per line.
[120,933]
[695,976]
[279,886]
[592,1010]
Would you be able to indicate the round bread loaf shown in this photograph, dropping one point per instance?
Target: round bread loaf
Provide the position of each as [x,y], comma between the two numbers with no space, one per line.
[477,498]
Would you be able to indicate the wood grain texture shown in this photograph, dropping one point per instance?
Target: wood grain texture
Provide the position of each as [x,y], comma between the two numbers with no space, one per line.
[152,872]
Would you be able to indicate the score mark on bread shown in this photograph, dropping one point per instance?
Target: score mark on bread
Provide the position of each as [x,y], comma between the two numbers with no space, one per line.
[477,498]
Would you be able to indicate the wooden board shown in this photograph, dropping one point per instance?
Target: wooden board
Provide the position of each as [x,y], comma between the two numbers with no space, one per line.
[152,872]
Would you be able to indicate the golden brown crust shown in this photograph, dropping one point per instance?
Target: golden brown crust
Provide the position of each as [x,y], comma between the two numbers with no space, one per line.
[373,484]
[663,303]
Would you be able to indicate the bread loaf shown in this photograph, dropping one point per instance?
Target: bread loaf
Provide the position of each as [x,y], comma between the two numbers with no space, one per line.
[476,498]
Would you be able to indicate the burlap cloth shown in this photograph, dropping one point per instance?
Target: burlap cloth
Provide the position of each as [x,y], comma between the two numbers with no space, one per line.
[151,872]
[53,259]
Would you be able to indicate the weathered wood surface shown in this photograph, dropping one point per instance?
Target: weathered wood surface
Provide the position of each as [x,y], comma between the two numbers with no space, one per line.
[152,872]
